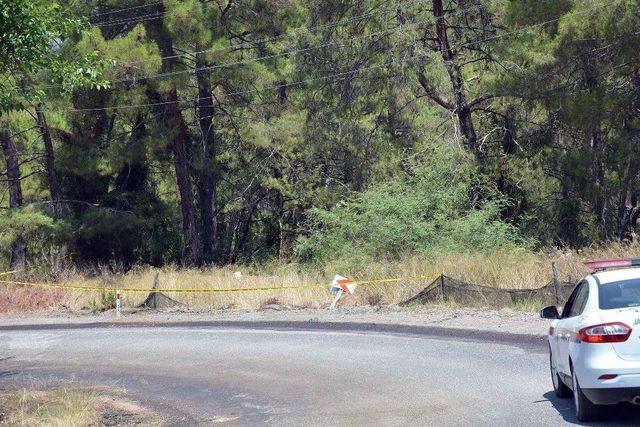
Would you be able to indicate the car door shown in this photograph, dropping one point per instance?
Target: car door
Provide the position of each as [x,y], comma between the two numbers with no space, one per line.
[568,324]
[557,340]
[559,334]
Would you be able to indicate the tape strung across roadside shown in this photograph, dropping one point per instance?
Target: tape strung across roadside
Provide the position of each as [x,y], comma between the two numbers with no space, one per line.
[6,273]
[205,290]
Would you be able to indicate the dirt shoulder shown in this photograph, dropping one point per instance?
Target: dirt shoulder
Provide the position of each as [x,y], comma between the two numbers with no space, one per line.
[75,406]
[502,321]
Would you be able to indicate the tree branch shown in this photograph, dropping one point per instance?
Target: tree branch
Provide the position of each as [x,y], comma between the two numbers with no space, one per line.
[20,178]
[224,11]
[475,103]
[433,93]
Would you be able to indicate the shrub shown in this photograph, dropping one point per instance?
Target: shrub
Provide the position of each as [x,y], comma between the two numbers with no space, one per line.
[426,211]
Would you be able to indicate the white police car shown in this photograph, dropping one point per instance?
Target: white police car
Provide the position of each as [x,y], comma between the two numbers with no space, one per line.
[595,343]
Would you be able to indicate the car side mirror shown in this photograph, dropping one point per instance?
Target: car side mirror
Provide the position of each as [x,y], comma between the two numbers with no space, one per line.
[550,312]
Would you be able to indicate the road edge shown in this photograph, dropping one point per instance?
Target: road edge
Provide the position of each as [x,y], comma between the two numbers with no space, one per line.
[529,341]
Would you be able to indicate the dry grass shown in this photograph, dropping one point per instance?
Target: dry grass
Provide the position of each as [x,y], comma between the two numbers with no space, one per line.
[62,407]
[29,299]
[522,270]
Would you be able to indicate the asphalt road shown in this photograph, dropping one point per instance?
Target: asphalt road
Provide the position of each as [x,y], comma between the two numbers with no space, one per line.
[207,375]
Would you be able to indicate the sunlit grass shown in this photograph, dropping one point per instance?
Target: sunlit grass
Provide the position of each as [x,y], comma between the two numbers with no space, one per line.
[53,408]
[508,269]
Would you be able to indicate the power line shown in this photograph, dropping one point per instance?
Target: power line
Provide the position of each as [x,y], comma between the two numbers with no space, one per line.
[155,15]
[339,43]
[253,43]
[282,54]
[300,83]
[619,39]
[282,36]
[333,43]
[341,76]
[539,24]
[585,90]
[236,93]
[328,25]
[272,56]
[294,85]
[142,18]
[111,12]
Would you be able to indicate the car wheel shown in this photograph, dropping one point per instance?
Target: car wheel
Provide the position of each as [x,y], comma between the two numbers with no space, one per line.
[559,386]
[585,410]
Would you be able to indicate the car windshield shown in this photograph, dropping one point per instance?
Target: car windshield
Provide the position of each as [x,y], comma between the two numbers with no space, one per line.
[625,293]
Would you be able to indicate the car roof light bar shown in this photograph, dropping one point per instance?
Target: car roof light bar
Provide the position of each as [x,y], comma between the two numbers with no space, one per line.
[603,264]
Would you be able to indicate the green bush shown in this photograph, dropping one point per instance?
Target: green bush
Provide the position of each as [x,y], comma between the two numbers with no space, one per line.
[28,223]
[428,210]
[39,230]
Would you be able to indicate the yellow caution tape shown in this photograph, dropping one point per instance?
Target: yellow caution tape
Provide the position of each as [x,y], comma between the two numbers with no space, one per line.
[6,273]
[203,291]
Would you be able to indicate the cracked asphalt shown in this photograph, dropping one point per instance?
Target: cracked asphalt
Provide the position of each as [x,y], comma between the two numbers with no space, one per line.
[234,374]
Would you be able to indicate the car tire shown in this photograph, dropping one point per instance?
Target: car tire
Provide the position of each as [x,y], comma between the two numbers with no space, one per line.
[585,410]
[559,387]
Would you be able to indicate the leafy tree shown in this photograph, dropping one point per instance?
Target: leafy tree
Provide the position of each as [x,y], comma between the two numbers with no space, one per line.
[32,42]
[577,79]
[237,130]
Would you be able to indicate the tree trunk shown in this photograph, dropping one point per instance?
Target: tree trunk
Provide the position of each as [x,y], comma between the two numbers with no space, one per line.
[629,212]
[240,232]
[18,247]
[181,165]
[286,226]
[629,208]
[569,211]
[49,158]
[599,201]
[209,178]
[132,177]
[461,107]
[192,254]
